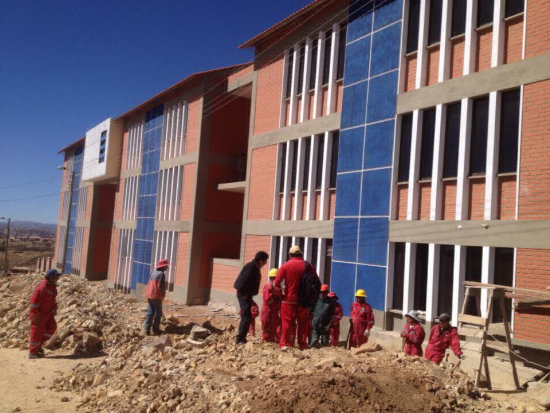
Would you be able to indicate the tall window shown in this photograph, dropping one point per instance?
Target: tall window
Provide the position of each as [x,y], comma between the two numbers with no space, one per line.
[434,28]
[427,147]
[398,274]
[413,25]
[504,275]
[326,60]
[452,138]
[420,277]
[513,7]
[302,55]
[509,132]
[307,155]
[289,64]
[313,71]
[341,53]
[334,159]
[478,143]
[102,144]
[405,148]
[282,169]
[458,21]
[294,166]
[446,270]
[320,150]
[485,10]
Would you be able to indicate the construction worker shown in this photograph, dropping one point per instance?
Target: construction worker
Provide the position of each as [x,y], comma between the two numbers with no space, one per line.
[335,323]
[361,318]
[270,310]
[155,293]
[42,312]
[293,314]
[413,335]
[247,285]
[322,316]
[443,336]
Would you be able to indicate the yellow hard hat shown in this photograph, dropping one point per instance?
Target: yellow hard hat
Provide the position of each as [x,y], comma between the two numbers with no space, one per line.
[361,293]
[273,272]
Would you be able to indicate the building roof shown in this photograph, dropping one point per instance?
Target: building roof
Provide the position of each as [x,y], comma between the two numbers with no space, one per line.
[72,145]
[284,23]
[182,83]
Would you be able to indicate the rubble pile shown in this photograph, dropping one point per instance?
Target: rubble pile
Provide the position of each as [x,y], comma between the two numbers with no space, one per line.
[90,318]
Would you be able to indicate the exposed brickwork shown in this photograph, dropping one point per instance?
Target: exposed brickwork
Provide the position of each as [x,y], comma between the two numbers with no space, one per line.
[119,199]
[513,39]
[537,36]
[101,248]
[287,112]
[268,96]
[424,191]
[410,71]
[193,125]
[216,246]
[89,201]
[182,259]
[311,104]
[223,277]
[292,204]
[506,197]
[483,49]
[188,194]
[262,180]
[253,244]
[241,73]
[534,185]
[298,109]
[85,244]
[433,65]
[401,202]
[222,206]
[304,206]
[124,150]
[317,205]
[324,100]
[280,214]
[332,204]
[111,275]
[339,96]
[457,57]
[448,209]
[533,271]
[477,199]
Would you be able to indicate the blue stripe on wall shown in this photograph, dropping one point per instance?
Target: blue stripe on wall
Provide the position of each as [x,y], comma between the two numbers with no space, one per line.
[78,156]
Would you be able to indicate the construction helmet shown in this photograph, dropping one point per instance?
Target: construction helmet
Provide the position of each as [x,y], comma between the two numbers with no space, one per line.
[361,293]
[325,287]
[332,294]
[273,272]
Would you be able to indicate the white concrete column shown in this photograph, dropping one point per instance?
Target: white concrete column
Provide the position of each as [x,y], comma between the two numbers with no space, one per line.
[437,164]
[462,185]
[459,275]
[422,56]
[311,196]
[286,74]
[409,277]
[445,44]
[470,37]
[497,50]
[294,86]
[288,180]
[331,106]
[317,101]
[325,195]
[491,169]
[416,140]
[432,284]
[298,193]
[304,112]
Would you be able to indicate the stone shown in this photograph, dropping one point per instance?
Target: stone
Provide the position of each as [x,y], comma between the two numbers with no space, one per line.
[157,344]
[328,362]
[65,399]
[99,379]
[370,347]
[92,342]
[199,333]
[544,401]
[195,343]
[441,394]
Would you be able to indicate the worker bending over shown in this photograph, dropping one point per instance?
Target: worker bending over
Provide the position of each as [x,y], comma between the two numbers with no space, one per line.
[362,319]
[413,335]
[443,336]
[270,314]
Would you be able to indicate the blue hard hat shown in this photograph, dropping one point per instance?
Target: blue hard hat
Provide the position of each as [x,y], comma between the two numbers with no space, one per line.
[53,273]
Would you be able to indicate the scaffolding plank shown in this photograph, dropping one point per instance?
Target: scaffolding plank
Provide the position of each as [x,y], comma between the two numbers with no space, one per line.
[472,319]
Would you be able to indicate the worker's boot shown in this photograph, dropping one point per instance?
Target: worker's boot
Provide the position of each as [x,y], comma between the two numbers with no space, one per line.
[40,352]
[33,356]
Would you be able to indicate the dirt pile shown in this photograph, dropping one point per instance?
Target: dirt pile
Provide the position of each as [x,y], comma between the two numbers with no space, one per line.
[90,317]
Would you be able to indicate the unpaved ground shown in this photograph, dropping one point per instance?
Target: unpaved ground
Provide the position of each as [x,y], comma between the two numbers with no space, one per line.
[170,373]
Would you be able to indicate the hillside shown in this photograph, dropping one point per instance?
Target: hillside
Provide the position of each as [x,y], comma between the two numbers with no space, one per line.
[24,229]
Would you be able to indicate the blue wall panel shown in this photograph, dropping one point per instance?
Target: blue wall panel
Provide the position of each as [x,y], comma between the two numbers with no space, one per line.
[361,222]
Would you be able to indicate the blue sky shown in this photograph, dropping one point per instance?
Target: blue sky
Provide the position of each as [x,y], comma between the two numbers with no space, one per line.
[67,65]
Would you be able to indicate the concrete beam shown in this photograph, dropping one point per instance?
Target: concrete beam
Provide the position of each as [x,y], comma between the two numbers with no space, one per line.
[240,82]
[125,224]
[178,226]
[130,172]
[227,261]
[179,160]
[313,229]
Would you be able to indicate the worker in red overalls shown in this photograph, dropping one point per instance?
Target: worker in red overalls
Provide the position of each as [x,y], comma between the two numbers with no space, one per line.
[270,310]
[413,335]
[255,312]
[362,319]
[42,313]
[335,323]
[443,336]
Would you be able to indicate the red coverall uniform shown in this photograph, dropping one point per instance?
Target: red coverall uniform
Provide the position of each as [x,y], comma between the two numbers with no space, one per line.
[42,315]
[292,312]
[255,312]
[335,325]
[270,314]
[414,336]
[362,318]
[441,340]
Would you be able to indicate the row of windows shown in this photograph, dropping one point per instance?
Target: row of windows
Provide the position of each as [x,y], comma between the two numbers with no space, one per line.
[129,199]
[102,145]
[165,245]
[174,130]
[124,258]
[169,196]
[135,141]
[82,203]
[484,13]
[508,138]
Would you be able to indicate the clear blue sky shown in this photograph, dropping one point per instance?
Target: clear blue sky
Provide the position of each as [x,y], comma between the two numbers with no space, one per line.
[67,65]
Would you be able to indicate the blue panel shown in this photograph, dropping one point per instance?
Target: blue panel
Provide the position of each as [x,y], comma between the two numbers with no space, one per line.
[354,97]
[357,61]
[385,49]
[379,145]
[349,190]
[342,282]
[386,12]
[373,241]
[376,192]
[345,239]
[350,148]
[78,156]
[382,97]
[373,281]
[359,19]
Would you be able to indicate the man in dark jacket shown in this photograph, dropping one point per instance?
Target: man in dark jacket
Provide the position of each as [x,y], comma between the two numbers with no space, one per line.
[322,316]
[247,285]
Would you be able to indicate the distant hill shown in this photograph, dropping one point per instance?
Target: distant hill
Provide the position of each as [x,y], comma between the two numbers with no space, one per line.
[22,229]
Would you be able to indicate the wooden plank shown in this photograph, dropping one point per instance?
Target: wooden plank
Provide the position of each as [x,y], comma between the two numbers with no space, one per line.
[472,319]
[475,284]
[509,342]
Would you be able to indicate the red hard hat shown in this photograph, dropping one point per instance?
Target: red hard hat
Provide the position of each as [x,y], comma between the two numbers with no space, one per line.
[163,263]
[332,294]
[325,287]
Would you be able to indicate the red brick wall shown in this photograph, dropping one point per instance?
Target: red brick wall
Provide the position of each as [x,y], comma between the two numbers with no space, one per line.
[513,39]
[402,197]
[317,205]
[506,197]
[311,104]
[119,195]
[332,204]
[111,276]
[457,57]
[188,194]
[424,192]
[533,271]
[106,201]
[101,248]
[304,205]
[534,184]
[193,125]
[84,255]
[222,206]
[483,49]
[229,127]
[268,96]
[339,96]
[448,210]
[216,246]
[241,73]
[433,65]
[324,99]
[262,181]
[253,244]
[223,277]
[476,205]
[537,36]
[410,71]
[182,259]
[124,150]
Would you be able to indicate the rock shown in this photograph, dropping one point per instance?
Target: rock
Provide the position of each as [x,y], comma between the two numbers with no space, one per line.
[157,344]
[328,362]
[544,401]
[114,393]
[17,409]
[99,379]
[92,342]
[249,346]
[199,333]
[441,394]
[370,347]
[65,399]
[195,343]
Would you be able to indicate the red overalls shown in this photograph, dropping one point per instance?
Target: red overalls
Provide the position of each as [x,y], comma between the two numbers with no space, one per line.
[335,324]
[255,312]
[270,314]
[414,336]
[42,315]
[441,340]
[362,318]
